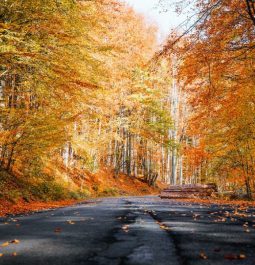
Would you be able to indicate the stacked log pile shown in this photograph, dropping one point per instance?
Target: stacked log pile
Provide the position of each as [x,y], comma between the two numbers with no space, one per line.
[189,191]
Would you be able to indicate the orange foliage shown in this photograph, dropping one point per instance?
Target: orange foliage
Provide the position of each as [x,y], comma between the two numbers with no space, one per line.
[22,207]
[216,72]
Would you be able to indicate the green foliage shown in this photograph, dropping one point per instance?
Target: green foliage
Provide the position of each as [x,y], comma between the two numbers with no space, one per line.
[109,192]
[14,189]
[79,195]
[48,191]
[11,188]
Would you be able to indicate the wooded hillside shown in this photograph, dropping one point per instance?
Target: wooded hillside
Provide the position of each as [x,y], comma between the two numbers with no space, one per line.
[78,94]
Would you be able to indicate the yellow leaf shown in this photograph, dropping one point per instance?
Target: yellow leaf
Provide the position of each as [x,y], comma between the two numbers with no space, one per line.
[15,241]
[202,255]
[242,256]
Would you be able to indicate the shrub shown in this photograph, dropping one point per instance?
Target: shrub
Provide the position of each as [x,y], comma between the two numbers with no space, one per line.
[109,192]
[48,191]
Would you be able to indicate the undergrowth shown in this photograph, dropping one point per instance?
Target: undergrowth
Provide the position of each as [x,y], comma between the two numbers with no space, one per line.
[44,189]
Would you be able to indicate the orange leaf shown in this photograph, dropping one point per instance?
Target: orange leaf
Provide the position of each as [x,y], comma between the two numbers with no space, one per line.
[58,230]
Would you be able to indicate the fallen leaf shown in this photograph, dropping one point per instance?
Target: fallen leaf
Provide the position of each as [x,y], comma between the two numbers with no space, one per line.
[71,222]
[242,256]
[202,255]
[58,230]
[15,241]
[14,254]
[1,254]
[5,244]
[164,227]
[125,228]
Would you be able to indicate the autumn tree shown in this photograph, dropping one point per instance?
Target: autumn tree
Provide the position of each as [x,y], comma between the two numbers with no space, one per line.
[44,73]
[217,73]
[129,120]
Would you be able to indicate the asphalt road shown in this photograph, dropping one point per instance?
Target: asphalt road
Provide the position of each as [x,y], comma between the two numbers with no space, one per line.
[134,230]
